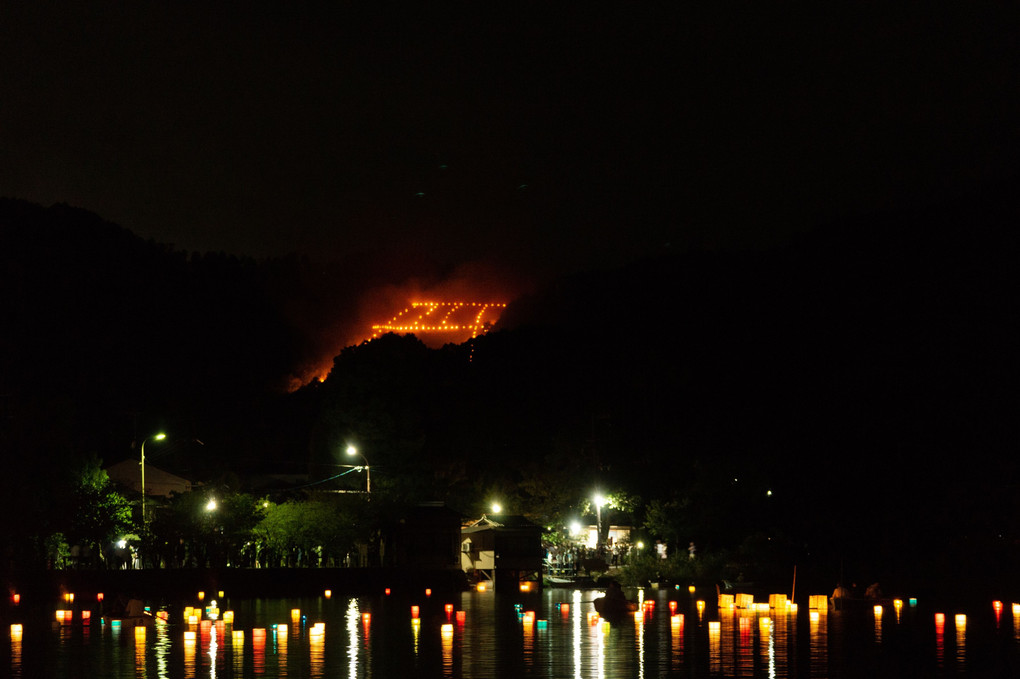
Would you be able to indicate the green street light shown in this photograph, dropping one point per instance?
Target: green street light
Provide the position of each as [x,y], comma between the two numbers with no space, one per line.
[155,437]
[351,450]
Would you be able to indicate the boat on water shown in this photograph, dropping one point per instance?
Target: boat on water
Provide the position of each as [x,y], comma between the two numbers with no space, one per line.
[614,606]
[614,610]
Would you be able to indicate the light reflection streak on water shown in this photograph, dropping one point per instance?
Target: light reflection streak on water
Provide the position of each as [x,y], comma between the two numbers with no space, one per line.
[767,631]
[961,639]
[639,633]
[189,653]
[280,637]
[213,648]
[161,650]
[16,635]
[576,629]
[353,615]
[819,643]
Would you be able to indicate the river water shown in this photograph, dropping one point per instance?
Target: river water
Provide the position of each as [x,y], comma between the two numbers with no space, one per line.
[551,633]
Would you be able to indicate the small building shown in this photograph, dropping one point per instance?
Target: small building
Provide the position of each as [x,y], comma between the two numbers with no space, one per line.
[615,535]
[504,551]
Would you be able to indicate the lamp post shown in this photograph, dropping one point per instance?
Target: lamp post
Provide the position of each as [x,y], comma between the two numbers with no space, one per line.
[155,437]
[599,501]
[351,450]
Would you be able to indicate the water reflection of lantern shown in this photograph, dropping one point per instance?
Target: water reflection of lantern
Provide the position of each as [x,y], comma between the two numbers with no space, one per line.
[446,633]
[714,647]
[593,618]
[416,632]
[258,645]
[961,637]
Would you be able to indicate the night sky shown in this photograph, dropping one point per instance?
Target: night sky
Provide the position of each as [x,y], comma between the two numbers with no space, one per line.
[537,142]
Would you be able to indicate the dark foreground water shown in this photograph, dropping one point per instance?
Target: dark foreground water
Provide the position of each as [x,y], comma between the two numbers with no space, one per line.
[487,634]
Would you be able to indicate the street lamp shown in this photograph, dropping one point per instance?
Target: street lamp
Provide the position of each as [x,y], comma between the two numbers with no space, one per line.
[351,450]
[599,501]
[155,437]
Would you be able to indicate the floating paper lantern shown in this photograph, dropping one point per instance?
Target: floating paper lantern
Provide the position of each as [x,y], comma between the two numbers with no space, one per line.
[593,618]
[366,619]
[878,610]
[414,611]
[16,598]
[543,624]
[725,601]
[525,586]
[328,593]
[672,607]
[387,590]
[691,589]
[461,617]
[481,587]
[219,594]
[86,617]
[913,601]
[201,596]
[701,606]
[140,633]
[295,615]
[529,616]
[16,632]
[940,618]
[818,602]
[428,591]
[237,636]
[228,617]
[99,596]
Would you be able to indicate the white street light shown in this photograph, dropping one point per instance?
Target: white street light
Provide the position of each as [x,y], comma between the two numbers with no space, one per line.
[351,450]
[599,501]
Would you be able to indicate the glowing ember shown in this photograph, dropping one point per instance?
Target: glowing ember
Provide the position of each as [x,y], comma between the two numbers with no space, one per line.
[455,321]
